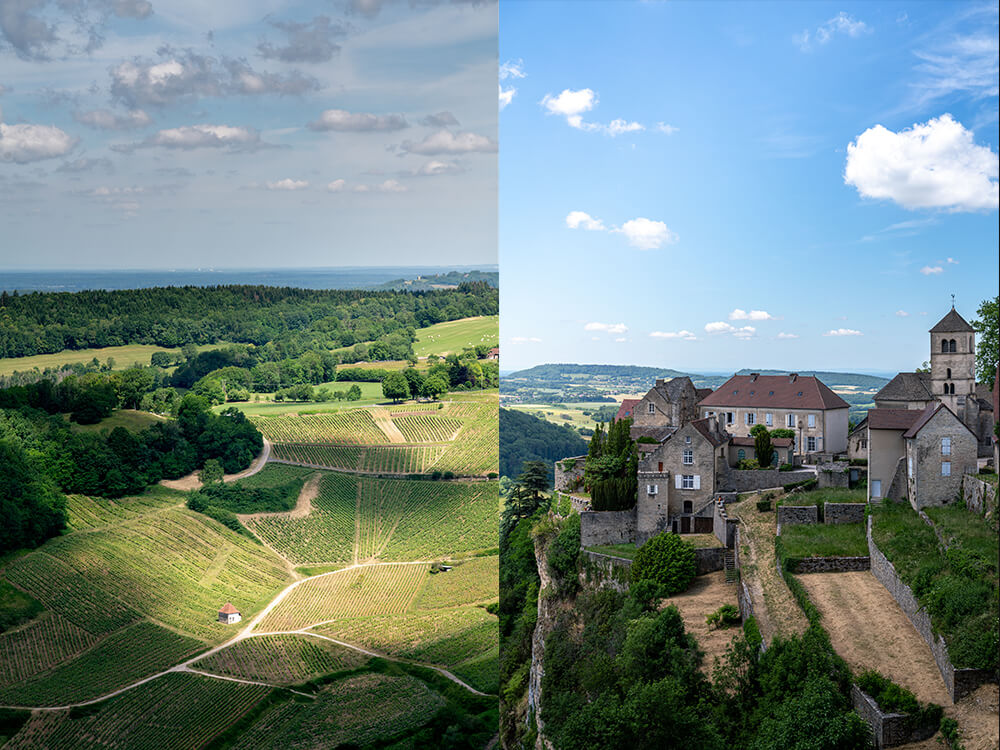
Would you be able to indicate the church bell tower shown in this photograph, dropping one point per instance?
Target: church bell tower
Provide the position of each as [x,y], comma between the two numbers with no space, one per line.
[953,362]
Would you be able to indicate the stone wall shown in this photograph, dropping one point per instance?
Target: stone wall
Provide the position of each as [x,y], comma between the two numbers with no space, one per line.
[897,485]
[831,564]
[709,559]
[723,526]
[567,470]
[607,527]
[750,480]
[843,512]
[788,514]
[958,682]
[980,497]
[888,730]
[833,475]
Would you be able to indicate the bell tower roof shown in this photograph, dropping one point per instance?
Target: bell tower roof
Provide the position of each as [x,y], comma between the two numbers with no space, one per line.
[952,323]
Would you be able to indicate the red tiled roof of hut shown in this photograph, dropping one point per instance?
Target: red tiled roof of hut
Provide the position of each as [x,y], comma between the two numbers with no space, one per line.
[228,609]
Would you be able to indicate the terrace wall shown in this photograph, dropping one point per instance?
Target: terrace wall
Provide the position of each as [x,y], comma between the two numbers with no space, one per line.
[833,475]
[724,527]
[751,480]
[790,514]
[958,682]
[707,560]
[831,564]
[888,730]
[607,527]
[843,512]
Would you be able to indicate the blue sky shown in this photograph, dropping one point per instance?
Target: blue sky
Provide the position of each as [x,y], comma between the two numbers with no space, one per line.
[715,186]
[184,134]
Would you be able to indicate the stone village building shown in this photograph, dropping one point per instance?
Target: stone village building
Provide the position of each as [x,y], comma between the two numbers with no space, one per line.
[801,403]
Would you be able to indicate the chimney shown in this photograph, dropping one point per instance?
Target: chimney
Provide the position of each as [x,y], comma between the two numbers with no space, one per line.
[793,377]
[713,424]
[660,381]
[754,376]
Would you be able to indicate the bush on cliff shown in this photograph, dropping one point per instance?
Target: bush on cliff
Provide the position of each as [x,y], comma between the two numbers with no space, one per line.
[666,559]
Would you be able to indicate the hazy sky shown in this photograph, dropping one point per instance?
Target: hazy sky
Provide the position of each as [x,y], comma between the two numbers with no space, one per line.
[717,186]
[184,133]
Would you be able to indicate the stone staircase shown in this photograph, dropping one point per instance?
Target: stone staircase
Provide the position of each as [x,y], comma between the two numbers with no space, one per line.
[729,566]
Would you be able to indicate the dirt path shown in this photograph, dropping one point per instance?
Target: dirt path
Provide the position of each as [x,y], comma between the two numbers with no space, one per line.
[303,506]
[384,421]
[191,481]
[705,595]
[777,611]
[870,631]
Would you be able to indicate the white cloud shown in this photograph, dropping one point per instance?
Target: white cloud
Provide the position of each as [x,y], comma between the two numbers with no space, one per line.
[616,328]
[665,128]
[620,339]
[446,142]
[928,270]
[389,186]
[571,105]
[784,335]
[902,314]
[506,95]
[337,186]
[26,143]
[739,314]
[618,127]
[720,326]
[952,261]
[435,167]
[843,332]
[357,122]
[647,234]
[512,69]
[288,184]
[107,120]
[199,136]
[959,64]
[841,23]
[931,165]
[581,220]
[684,335]
[525,340]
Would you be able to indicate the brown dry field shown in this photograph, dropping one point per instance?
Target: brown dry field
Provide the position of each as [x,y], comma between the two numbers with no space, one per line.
[870,631]
[705,595]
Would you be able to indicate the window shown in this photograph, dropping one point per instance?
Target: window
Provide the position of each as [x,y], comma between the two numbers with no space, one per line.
[944,346]
[790,421]
[909,466]
[949,374]
[751,418]
[687,439]
[864,443]
[688,506]
[741,454]
[951,346]
[768,419]
[688,457]
[946,468]
[946,446]
[652,408]
[972,347]
[729,417]
[659,465]
[651,489]
[687,482]
[876,488]
[812,420]
[811,443]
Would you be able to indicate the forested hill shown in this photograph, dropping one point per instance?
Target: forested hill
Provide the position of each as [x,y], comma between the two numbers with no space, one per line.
[442,281]
[830,378]
[524,437]
[562,371]
[294,320]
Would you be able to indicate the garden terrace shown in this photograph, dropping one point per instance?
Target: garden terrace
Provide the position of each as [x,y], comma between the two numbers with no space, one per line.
[825,495]
[824,540]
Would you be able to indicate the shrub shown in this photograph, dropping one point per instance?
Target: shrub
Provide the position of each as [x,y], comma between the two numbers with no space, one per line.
[858,462]
[763,505]
[786,467]
[563,553]
[748,464]
[723,617]
[666,559]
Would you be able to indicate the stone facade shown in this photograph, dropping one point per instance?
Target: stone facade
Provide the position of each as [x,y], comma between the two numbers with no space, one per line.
[568,471]
[792,514]
[938,453]
[726,529]
[751,480]
[671,402]
[958,682]
[844,512]
[831,564]
[833,475]
[607,527]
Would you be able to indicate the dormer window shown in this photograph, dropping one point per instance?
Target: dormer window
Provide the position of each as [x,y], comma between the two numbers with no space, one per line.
[687,439]
[770,393]
[799,393]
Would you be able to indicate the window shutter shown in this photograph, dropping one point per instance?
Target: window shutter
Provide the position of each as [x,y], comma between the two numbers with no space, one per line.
[697,481]
[677,481]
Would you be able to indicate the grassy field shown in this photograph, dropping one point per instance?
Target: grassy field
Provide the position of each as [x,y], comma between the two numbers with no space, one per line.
[131,419]
[967,529]
[386,519]
[451,337]
[825,495]
[281,659]
[124,357]
[824,540]
[266,406]
[571,415]
[174,712]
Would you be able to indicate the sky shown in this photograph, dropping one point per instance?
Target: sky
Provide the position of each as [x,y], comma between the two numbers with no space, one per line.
[708,187]
[247,133]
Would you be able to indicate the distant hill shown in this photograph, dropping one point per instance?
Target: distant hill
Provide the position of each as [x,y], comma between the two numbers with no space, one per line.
[448,280]
[559,371]
[829,378]
[524,437]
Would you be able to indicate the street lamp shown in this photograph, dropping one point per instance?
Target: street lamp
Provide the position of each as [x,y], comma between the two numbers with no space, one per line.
[801,449]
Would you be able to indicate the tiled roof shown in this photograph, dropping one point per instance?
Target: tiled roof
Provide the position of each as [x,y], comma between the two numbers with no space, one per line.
[892,419]
[228,609]
[702,392]
[907,386]
[774,391]
[716,438]
[952,323]
[625,410]
[927,414]
[859,427]
[659,432]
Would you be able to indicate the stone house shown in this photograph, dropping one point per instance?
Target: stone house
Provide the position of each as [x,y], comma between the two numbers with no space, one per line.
[229,615]
[671,403]
[799,402]
[677,478]
[857,441]
[951,381]
[626,409]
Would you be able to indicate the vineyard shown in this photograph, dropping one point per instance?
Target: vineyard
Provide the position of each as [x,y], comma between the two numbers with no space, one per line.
[470,582]
[93,513]
[43,643]
[123,657]
[427,428]
[355,427]
[281,659]
[358,710]
[175,712]
[354,592]
[399,520]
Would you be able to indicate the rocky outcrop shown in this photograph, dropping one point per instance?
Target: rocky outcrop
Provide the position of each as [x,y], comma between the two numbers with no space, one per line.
[543,626]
